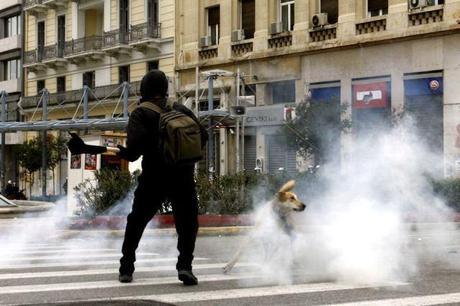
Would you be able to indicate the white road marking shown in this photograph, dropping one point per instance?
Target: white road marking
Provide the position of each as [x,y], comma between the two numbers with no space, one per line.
[115,283]
[251,292]
[85,263]
[67,256]
[422,300]
[62,250]
[10,276]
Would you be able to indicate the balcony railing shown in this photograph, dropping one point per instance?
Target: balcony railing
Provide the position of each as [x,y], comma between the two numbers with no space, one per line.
[74,96]
[145,31]
[115,38]
[30,3]
[33,56]
[83,45]
[53,51]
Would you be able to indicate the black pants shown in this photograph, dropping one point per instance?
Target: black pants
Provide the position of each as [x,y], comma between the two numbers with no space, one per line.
[179,187]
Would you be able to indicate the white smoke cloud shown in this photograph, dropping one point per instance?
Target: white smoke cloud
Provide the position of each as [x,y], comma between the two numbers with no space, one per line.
[357,230]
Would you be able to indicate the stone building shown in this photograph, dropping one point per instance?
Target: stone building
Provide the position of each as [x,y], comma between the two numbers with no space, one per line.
[11,28]
[97,48]
[376,56]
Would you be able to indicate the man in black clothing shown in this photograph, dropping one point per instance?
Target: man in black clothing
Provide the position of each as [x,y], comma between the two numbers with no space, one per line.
[157,182]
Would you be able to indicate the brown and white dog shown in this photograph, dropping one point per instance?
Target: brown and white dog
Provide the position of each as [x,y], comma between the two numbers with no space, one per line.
[282,206]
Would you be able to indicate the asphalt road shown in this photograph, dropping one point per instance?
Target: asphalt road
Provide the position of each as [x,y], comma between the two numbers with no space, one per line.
[81,269]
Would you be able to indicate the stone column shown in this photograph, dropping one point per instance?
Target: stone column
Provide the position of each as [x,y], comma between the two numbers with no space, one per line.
[262,25]
[225,29]
[300,33]
[346,27]
[397,20]
[451,106]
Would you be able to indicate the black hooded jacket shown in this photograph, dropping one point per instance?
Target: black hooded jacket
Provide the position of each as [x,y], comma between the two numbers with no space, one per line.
[143,138]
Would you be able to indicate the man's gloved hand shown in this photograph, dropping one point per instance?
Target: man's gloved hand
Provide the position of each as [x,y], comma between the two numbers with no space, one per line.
[75,144]
[123,153]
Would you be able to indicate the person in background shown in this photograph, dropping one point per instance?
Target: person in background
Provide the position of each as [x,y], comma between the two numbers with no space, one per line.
[158,181]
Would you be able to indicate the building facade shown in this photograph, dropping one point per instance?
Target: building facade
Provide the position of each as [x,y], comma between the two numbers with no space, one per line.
[377,56]
[96,50]
[11,29]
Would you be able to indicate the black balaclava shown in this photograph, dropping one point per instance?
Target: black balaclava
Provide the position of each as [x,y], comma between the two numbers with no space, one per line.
[154,85]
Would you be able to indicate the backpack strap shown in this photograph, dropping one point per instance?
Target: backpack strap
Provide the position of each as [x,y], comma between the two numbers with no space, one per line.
[152,107]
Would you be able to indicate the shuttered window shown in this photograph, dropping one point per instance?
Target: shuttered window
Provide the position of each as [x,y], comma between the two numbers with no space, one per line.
[250,152]
[280,155]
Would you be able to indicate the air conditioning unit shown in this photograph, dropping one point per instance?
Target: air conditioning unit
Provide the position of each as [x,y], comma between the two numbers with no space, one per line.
[237,35]
[205,41]
[319,20]
[276,28]
[415,4]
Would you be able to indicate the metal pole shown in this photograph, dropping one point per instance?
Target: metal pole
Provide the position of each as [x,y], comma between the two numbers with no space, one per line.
[197,89]
[85,101]
[243,92]
[125,99]
[3,163]
[45,98]
[238,121]
[210,128]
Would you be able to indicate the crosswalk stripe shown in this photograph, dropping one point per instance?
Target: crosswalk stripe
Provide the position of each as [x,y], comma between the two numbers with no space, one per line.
[68,256]
[86,263]
[64,250]
[11,276]
[115,283]
[423,300]
[250,292]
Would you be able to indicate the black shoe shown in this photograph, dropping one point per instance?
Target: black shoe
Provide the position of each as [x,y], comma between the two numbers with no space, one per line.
[125,278]
[187,277]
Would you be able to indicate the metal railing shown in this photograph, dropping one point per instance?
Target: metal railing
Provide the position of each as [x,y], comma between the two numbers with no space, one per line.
[74,96]
[29,3]
[33,56]
[145,31]
[53,51]
[115,38]
[82,45]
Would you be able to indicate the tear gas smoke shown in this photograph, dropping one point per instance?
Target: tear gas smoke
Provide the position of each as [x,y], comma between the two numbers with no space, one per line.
[356,230]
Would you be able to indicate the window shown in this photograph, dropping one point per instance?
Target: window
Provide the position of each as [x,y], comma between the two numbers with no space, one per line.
[152,65]
[124,15]
[438,2]
[89,79]
[287,14]
[248,18]
[60,81]
[331,7]
[152,12]
[12,69]
[123,74]
[377,8]
[213,24]
[283,92]
[61,35]
[40,86]
[13,26]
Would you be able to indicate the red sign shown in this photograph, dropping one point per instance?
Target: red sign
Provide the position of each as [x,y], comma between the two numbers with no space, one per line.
[372,95]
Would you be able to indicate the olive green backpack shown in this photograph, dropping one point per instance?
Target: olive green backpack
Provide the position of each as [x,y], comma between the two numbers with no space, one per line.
[180,136]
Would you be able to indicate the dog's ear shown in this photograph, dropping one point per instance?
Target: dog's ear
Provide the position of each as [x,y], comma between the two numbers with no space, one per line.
[287,187]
